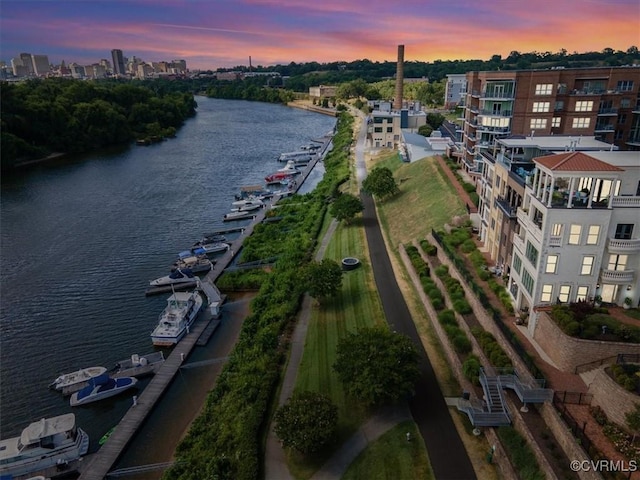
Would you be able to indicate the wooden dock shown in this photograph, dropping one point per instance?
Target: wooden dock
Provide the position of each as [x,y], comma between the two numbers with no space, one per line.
[97,465]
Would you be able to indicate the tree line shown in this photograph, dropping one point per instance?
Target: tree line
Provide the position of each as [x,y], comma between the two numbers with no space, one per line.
[55,115]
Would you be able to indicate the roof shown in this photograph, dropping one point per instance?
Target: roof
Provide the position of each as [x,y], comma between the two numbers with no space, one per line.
[575,162]
[556,142]
[47,427]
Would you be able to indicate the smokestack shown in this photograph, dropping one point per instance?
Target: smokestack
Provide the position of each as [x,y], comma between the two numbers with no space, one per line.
[249,62]
[397,101]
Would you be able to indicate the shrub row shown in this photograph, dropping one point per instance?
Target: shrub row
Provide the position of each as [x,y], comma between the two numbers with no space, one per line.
[419,265]
[583,321]
[224,442]
[520,454]
[491,348]
[626,375]
[455,334]
[455,290]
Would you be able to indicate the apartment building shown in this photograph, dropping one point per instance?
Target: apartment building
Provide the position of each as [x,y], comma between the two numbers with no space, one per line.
[505,168]
[578,232]
[385,126]
[602,102]
[455,89]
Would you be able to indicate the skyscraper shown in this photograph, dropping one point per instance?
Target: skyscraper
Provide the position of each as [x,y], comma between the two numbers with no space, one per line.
[118,62]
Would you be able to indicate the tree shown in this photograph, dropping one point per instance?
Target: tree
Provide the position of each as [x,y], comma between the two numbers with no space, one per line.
[306,422]
[425,130]
[633,421]
[346,207]
[380,182]
[323,279]
[377,366]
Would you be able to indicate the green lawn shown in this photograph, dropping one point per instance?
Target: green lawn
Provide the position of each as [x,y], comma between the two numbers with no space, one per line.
[426,200]
[392,457]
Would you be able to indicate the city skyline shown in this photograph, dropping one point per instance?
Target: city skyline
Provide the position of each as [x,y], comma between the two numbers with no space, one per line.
[222,34]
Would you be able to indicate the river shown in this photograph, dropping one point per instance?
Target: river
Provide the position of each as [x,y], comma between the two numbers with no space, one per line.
[81,238]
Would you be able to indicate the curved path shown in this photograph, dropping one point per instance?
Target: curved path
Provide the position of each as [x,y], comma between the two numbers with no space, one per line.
[446,451]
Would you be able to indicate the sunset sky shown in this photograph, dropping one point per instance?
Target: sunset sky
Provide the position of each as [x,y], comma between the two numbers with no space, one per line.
[223,33]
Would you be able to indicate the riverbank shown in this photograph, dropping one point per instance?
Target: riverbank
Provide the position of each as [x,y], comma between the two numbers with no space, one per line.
[308,105]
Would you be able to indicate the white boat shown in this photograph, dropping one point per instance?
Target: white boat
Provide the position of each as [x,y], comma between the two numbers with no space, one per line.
[290,167]
[237,215]
[80,376]
[138,365]
[197,263]
[179,314]
[43,444]
[248,202]
[215,247]
[286,156]
[101,387]
[176,276]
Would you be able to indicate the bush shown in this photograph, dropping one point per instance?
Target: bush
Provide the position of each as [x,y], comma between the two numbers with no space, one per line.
[471,369]
[428,248]
[461,343]
[447,317]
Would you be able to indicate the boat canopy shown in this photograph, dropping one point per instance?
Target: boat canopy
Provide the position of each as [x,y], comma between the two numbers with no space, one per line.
[181,274]
[47,427]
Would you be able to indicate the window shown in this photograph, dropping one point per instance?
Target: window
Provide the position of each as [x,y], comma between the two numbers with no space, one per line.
[527,281]
[389,129]
[538,123]
[574,234]
[581,293]
[587,265]
[582,122]
[555,122]
[592,234]
[532,254]
[563,294]
[377,129]
[556,230]
[547,291]
[625,85]
[539,107]
[544,89]
[617,262]
[622,119]
[559,106]
[624,231]
[584,106]
[618,135]
[625,103]
[517,263]
[552,264]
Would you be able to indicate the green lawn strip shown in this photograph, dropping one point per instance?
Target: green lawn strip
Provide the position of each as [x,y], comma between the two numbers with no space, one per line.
[393,457]
[356,306]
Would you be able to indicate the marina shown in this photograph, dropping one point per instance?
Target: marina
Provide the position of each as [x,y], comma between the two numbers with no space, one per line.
[199,334]
[127,261]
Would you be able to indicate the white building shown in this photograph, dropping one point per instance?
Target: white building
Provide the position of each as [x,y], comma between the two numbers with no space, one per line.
[579,231]
[455,90]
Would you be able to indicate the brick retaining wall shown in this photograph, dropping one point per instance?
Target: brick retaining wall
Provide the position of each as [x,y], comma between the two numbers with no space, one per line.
[611,397]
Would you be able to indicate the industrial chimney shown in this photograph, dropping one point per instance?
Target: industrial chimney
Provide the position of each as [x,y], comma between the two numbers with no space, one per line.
[397,101]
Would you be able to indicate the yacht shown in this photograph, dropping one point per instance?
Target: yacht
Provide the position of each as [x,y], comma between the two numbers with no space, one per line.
[197,263]
[212,247]
[101,387]
[179,314]
[43,444]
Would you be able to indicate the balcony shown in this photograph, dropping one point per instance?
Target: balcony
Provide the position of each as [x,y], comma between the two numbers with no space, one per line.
[494,130]
[506,207]
[604,128]
[493,113]
[607,111]
[623,201]
[518,243]
[555,241]
[587,91]
[618,277]
[500,95]
[617,245]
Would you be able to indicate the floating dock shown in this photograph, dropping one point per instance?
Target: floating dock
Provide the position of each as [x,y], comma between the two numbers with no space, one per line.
[177,287]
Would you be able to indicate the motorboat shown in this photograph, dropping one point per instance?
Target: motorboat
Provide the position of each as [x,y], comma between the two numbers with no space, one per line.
[176,276]
[248,202]
[213,238]
[197,263]
[290,167]
[179,314]
[279,177]
[237,215]
[138,365]
[286,156]
[43,444]
[311,147]
[101,387]
[212,247]
[74,378]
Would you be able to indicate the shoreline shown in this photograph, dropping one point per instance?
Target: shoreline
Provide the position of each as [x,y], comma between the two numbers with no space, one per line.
[303,105]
